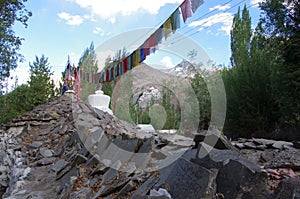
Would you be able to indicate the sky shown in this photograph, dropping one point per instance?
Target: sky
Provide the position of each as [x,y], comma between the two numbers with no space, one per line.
[62,28]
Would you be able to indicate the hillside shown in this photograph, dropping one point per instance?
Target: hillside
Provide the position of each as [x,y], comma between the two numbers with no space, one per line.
[66,149]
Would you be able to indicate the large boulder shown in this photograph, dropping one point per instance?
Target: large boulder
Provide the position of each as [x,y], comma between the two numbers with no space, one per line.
[242,179]
[210,158]
[185,179]
[288,188]
[213,138]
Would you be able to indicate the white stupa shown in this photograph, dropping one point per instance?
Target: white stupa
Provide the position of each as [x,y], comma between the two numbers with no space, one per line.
[100,101]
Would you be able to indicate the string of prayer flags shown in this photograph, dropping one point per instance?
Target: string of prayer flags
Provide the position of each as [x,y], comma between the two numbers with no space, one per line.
[121,66]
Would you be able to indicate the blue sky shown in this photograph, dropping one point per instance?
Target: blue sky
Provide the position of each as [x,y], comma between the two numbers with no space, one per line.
[59,28]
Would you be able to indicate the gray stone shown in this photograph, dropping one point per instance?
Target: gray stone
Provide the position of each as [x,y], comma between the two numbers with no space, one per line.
[63,172]
[288,188]
[141,158]
[45,152]
[102,145]
[126,189]
[185,179]
[111,173]
[45,161]
[100,169]
[114,187]
[239,145]
[242,179]
[36,144]
[283,159]
[65,181]
[68,187]
[130,145]
[215,158]
[179,140]
[129,169]
[64,129]
[92,161]
[146,186]
[189,154]
[280,144]
[114,153]
[84,193]
[260,141]
[44,133]
[79,159]
[59,165]
[250,145]
[93,139]
[215,139]
[99,192]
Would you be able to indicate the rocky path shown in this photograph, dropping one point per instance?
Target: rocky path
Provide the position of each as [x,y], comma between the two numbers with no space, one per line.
[65,149]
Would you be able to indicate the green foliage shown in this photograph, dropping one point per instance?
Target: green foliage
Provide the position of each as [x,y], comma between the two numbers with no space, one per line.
[172,111]
[11,11]
[262,87]
[108,88]
[240,37]
[88,63]
[39,90]
[201,91]
[251,106]
[14,103]
[40,83]
[281,22]
[145,119]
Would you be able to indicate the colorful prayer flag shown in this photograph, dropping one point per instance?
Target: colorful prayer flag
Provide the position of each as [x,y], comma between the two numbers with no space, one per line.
[186,9]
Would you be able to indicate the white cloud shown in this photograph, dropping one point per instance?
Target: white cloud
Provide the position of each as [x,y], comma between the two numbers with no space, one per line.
[89,17]
[224,19]
[219,7]
[112,20]
[256,2]
[167,61]
[98,31]
[110,9]
[73,20]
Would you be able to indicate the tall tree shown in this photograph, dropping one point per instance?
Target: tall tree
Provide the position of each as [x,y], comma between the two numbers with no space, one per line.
[240,37]
[248,84]
[10,12]
[40,83]
[281,22]
[202,93]
[88,63]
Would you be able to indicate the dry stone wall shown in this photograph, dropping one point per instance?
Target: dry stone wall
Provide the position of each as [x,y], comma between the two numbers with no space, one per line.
[67,149]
